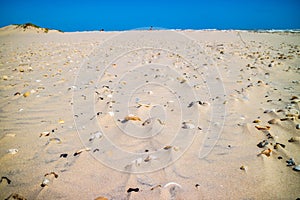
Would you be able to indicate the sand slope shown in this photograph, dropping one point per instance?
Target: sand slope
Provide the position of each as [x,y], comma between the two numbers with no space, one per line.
[74,81]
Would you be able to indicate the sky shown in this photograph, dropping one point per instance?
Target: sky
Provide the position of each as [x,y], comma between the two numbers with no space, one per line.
[114,15]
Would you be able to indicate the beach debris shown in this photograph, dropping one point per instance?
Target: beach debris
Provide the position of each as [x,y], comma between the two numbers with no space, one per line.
[202,103]
[5,78]
[45,134]
[101,198]
[5,178]
[294,139]
[279,145]
[45,182]
[63,155]
[160,122]
[51,173]
[143,105]
[15,196]
[132,118]
[197,185]
[150,157]
[298,126]
[269,111]
[296,168]
[111,113]
[187,125]
[262,128]
[133,190]
[157,186]
[273,121]
[17,93]
[12,151]
[81,150]
[243,167]
[290,162]
[61,121]
[57,140]
[167,147]
[256,121]
[148,121]
[294,97]
[266,152]
[26,94]
[172,183]
[96,135]
[263,144]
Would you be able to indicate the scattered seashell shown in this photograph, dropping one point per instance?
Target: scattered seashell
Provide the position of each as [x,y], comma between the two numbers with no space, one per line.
[263,128]
[5,78]
[273,121]
[15,196]
[101,198]
[51,173]
[296,168]
[81,150]
[132,117]
[45,134]
[61,121]
[243,167]
[279,145]
[167,147]
[63,155]
[287,118]
[294,97]
[12,151]
[298,126]
[256,121]
[172,183]
[111,113]
[145,105]
[294,139]
[290,162]
[263,144]
[148,121]
[133,190]
[157,186]
[187,125]
[26,94]
[5,178]
[57,140]
[269,111]
[266,152]
[96,135]
[45,182]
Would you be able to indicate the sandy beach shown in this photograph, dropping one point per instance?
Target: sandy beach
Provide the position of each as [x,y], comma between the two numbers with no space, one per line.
[158,114]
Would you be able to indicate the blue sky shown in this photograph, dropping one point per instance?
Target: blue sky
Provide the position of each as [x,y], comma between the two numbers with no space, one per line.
[124,15]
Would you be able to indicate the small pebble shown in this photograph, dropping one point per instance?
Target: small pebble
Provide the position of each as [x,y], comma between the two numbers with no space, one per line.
[26,94]
[12,151]
[298,126]
[263,144]
[273,121]
[133,190]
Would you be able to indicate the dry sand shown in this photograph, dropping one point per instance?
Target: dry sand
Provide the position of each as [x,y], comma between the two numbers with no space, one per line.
[190,97]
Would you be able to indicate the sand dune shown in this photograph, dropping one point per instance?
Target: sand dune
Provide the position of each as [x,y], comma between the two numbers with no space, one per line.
[149,115]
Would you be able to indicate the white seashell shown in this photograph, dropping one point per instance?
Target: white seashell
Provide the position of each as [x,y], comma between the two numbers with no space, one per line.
[150,92]
[187,125]
[109,96]
[111,113]
[172,183]
[12,151]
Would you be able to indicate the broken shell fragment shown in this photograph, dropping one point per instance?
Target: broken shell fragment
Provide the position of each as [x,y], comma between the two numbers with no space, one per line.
[298,126]
[290,162]
[51,173]
[81,150]
[256,121]
[263,144]
[132,117]
[45,133]
[12,151]
[57,140]
[266,152]
[296,168]
[294,139]
[243,167]
[45,182]
[96,135]
[263,128]
[101,198]
[26,94]
[186,125]
[61,121]
[273,121]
